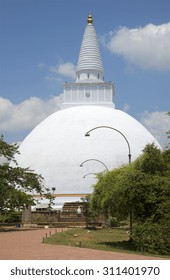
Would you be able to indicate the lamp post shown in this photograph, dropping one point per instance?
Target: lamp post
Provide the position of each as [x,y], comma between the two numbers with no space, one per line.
[91,173]
[51,197]
[110,127]
[90,159]
[129,155]
[53,189]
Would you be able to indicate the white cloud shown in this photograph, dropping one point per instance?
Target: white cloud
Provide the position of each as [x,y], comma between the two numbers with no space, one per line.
[5,107]
[62,69]
[66,69]
[147,47]
[126,107]
[27,114]
[158,123]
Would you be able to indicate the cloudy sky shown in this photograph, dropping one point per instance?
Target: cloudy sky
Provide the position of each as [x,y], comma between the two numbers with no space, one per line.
[39,48]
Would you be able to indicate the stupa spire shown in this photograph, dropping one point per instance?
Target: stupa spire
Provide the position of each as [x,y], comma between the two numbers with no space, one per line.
[89,66]
[89,87]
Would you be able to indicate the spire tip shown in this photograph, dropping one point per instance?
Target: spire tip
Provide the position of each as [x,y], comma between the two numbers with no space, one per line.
[90,19]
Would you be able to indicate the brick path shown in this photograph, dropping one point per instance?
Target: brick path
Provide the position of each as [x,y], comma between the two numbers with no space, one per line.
[28,245]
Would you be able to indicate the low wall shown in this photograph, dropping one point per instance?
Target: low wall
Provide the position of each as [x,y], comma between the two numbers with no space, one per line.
[45,217]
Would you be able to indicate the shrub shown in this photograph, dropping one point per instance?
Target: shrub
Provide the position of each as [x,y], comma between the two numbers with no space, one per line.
[152,238]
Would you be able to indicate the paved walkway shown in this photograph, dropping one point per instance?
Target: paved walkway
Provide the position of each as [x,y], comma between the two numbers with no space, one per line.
[28,245]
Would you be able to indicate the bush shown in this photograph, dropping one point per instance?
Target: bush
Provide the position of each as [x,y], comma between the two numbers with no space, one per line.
[152,238]
[11,217]
[113,222]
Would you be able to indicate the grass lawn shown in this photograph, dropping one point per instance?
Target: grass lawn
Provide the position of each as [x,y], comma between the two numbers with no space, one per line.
[101,239]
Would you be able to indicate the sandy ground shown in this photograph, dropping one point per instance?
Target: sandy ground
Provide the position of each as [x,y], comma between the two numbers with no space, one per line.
[28,245]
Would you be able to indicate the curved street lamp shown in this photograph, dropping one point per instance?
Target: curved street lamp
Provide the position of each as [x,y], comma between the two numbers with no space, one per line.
[110,127]
[91,173]
[129,155]
[90,159]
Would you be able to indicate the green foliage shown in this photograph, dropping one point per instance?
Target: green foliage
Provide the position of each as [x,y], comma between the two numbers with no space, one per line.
[48,195]
[141,190]
[6,150]
[152,237]
[89,213]
[11,217]
[113,222]
[151,161]
[105,198]
[16,181]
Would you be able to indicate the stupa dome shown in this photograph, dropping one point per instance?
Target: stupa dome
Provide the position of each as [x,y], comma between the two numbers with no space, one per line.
[57,146]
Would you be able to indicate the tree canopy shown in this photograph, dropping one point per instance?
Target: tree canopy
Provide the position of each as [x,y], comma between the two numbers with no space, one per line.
[141,189]
[16,182]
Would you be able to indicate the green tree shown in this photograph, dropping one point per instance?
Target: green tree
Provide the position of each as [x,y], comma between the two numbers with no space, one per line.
[151,161]
[108,196]
[16,181]
[152,232]
[89,213]
[143,190]
[151,237]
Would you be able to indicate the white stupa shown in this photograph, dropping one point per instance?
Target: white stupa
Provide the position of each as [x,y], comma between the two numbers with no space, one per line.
[57,146]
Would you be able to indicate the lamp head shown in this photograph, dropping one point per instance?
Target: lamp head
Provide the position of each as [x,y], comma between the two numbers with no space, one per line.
[87,134]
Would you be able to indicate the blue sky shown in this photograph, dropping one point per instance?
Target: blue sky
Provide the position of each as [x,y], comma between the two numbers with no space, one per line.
[40,43]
